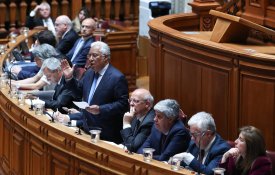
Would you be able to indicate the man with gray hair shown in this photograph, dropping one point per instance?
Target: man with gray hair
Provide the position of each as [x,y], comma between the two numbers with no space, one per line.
[43,18]
[206,147]
[168,135]
[137,123]
[40,53]
[65,34]
[64,94]
[105,89]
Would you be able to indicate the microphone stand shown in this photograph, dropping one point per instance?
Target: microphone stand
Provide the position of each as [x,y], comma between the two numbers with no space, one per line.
[200,158]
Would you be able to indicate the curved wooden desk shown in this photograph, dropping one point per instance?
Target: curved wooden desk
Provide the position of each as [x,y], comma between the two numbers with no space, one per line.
[31,145]
[234,82]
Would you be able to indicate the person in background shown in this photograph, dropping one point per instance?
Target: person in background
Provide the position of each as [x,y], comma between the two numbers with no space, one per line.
[41,53]
[168,135]
[137,123]
[78,54]
[42,19]
[206,147]
[64,94]
[248,157]
[27,70]
[65,34]
[83,14]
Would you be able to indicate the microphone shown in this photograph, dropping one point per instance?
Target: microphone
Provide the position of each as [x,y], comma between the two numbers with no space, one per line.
[200,158]
[52,118]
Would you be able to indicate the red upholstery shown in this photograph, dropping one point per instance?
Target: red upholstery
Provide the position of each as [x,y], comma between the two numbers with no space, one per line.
[271,155]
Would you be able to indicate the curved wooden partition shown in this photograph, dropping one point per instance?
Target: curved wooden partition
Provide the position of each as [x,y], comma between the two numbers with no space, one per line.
[234,82]
[31,145]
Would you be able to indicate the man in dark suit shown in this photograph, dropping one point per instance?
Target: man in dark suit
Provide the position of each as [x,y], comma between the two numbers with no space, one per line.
[78,54]
[168,135]
[65,34]
[43,18]
[138,122]
[206,148]
[64,94]
[105,89]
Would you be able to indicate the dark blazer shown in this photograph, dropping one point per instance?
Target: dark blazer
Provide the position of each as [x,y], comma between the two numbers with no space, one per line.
[67,42]
[34,22]
[177,141]
[215,153]
[64,96]
[111,95]
[260,166]
[81,57]
[134,137]
[27,72]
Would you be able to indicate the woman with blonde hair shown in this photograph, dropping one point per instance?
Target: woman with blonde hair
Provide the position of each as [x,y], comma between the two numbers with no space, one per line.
[248,157]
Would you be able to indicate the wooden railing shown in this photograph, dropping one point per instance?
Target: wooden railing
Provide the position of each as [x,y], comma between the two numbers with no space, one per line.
[14,12]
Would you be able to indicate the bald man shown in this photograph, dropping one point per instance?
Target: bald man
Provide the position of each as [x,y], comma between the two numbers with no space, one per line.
[138,121]
[65,34]
[78,54]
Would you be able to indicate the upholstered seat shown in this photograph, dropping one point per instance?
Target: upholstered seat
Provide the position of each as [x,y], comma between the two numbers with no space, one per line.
[271,155]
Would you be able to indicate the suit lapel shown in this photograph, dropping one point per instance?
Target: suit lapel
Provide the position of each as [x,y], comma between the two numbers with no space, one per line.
[58,88]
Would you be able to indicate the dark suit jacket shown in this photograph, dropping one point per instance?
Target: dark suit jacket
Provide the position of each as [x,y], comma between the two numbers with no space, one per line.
[34,22]
[111,95]
[67,42]
[134,137]
[27,72]
[64,96]
[260,166]
[215,153]
[176,141]
[81,57]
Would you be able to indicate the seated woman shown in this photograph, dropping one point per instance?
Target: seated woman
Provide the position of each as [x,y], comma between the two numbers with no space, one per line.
[83,14]
[40,52]
[248,157]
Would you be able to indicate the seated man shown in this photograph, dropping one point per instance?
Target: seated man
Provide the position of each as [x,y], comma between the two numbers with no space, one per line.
[65,33]
[28,70]
[204,138]
[64,94]
[41,53]
[168,135]
[43,18]
[78,54]
[138,122]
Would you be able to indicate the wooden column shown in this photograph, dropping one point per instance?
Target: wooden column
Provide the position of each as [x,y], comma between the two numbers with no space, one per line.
[23,10]
[54,9]
[97,8]
[76,6]
[88,5]
[117,9]
[65,8]
[12,15]
[3,8]
[107,9]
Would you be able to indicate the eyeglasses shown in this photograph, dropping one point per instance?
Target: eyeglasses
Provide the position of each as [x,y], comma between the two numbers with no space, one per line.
[94,55]
[135,100]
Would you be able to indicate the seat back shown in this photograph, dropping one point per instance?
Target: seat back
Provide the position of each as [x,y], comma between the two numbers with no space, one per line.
[271,155]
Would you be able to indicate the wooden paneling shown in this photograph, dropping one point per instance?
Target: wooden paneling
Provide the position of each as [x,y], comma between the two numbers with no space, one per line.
[32,145]
[236,87]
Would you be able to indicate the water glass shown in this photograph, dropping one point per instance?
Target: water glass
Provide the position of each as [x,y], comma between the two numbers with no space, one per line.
[148,154]
[13,92]
[95,135]
[39,108]
[219,171]
[13,37]
[21,98]
[175,163]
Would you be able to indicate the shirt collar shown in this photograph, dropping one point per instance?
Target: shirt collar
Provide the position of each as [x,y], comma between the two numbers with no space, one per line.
[102,71]
[209,145]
